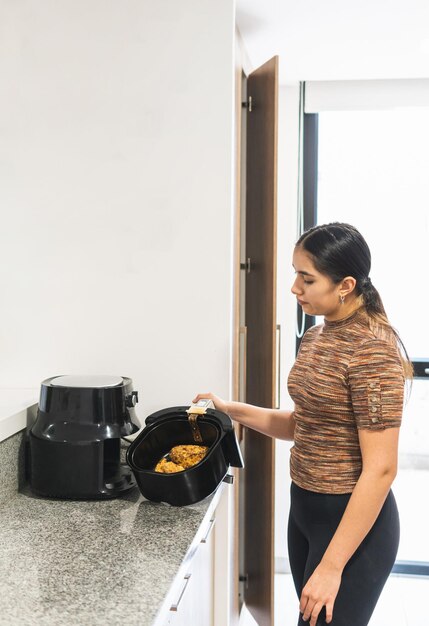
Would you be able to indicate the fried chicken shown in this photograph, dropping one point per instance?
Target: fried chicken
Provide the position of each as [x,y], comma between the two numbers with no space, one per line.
[168,467]
[180,458]
[188,455]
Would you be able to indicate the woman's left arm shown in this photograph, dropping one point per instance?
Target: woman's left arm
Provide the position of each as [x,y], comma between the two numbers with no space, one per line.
[379,465]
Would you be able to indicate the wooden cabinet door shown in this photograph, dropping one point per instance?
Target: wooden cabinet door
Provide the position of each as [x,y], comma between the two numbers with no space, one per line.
[261,240]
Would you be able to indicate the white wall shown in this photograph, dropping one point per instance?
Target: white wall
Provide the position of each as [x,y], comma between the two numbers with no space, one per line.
[116,193]
[286,303]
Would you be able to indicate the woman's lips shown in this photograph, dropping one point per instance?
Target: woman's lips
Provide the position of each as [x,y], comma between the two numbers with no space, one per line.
[301,302]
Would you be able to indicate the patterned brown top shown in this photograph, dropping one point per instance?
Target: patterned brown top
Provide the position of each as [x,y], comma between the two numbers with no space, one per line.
[344,378]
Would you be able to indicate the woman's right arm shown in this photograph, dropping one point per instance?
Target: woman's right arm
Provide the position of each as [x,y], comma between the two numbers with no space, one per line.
[271,422]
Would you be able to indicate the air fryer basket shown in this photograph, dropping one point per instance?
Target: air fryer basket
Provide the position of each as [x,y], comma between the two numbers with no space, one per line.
[168,428]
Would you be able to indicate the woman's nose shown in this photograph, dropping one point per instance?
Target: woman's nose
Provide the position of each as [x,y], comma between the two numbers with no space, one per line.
[295,289]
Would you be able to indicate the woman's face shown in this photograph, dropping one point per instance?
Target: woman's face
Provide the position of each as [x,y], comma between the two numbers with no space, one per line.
[315,292]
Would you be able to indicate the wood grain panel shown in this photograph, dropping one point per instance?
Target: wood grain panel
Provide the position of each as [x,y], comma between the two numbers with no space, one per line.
[261,240]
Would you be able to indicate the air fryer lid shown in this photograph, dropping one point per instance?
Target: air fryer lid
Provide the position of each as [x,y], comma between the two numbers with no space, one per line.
[222,421]
[73,408]
[96,382]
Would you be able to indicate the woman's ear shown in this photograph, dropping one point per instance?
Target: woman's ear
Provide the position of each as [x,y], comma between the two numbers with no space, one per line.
[347,285]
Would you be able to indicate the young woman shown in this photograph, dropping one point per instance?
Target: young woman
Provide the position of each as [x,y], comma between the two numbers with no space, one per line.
[347,384]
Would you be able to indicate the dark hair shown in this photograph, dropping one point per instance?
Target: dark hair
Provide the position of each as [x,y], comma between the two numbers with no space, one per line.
[339,250]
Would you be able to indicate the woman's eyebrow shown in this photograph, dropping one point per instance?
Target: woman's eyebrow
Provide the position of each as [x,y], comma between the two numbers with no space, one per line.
[304,273]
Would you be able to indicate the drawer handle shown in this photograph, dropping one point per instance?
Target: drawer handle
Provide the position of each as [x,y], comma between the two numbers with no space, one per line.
[206,536]
[229,479]
[174,607]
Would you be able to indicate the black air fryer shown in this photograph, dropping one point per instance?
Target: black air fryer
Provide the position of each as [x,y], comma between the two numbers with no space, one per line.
[171,427]
[74,444]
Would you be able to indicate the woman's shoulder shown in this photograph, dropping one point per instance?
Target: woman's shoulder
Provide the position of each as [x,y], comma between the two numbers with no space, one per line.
[376,344]
[377,354]
[373,334]
[312,332]
[373,342]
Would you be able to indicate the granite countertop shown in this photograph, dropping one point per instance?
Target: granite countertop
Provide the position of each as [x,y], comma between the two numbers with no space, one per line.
[92,562]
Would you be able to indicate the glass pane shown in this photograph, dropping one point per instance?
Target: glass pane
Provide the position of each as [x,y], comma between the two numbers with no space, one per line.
[412,481]
[373,173]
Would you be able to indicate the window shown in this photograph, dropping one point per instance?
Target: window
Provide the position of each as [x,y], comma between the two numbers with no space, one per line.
[373,173]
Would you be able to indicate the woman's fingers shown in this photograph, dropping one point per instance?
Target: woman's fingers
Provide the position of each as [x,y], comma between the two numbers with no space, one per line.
[303,602]
[329,611]
[305,606]
[311,612]
[200,396]
[220,404]
[306,614]
[311,607]
[315,613]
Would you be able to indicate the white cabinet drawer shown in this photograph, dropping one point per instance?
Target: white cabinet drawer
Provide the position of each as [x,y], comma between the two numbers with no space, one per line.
[193,597]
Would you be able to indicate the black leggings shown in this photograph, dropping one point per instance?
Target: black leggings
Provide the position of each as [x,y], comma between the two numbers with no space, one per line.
[313,520]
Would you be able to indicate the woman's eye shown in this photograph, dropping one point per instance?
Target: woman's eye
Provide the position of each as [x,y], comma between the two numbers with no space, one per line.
[309,282]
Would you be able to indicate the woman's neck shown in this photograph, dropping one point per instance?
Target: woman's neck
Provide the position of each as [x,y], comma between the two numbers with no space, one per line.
[343,311]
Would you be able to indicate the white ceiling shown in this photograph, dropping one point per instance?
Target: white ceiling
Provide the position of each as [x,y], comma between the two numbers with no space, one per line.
[338,39]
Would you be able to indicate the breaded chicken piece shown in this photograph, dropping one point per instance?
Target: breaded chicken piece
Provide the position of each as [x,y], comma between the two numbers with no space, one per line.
[168,467]
[188,455]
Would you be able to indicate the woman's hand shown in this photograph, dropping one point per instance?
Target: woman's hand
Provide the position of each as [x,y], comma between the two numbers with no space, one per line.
[220,404]
[321,590]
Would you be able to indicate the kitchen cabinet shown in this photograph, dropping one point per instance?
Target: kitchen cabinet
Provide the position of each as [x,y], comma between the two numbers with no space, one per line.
[201,592]
[193,599]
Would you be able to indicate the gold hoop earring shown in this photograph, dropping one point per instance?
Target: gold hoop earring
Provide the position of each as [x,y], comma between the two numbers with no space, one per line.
[342,298]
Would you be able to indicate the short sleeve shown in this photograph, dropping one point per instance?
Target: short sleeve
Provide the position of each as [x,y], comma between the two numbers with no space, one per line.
[376,382]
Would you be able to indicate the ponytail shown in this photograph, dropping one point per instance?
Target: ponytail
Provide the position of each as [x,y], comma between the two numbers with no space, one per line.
[371,297]
[379,322]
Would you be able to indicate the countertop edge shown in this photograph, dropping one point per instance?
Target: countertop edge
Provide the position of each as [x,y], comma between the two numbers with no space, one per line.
[17,410]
